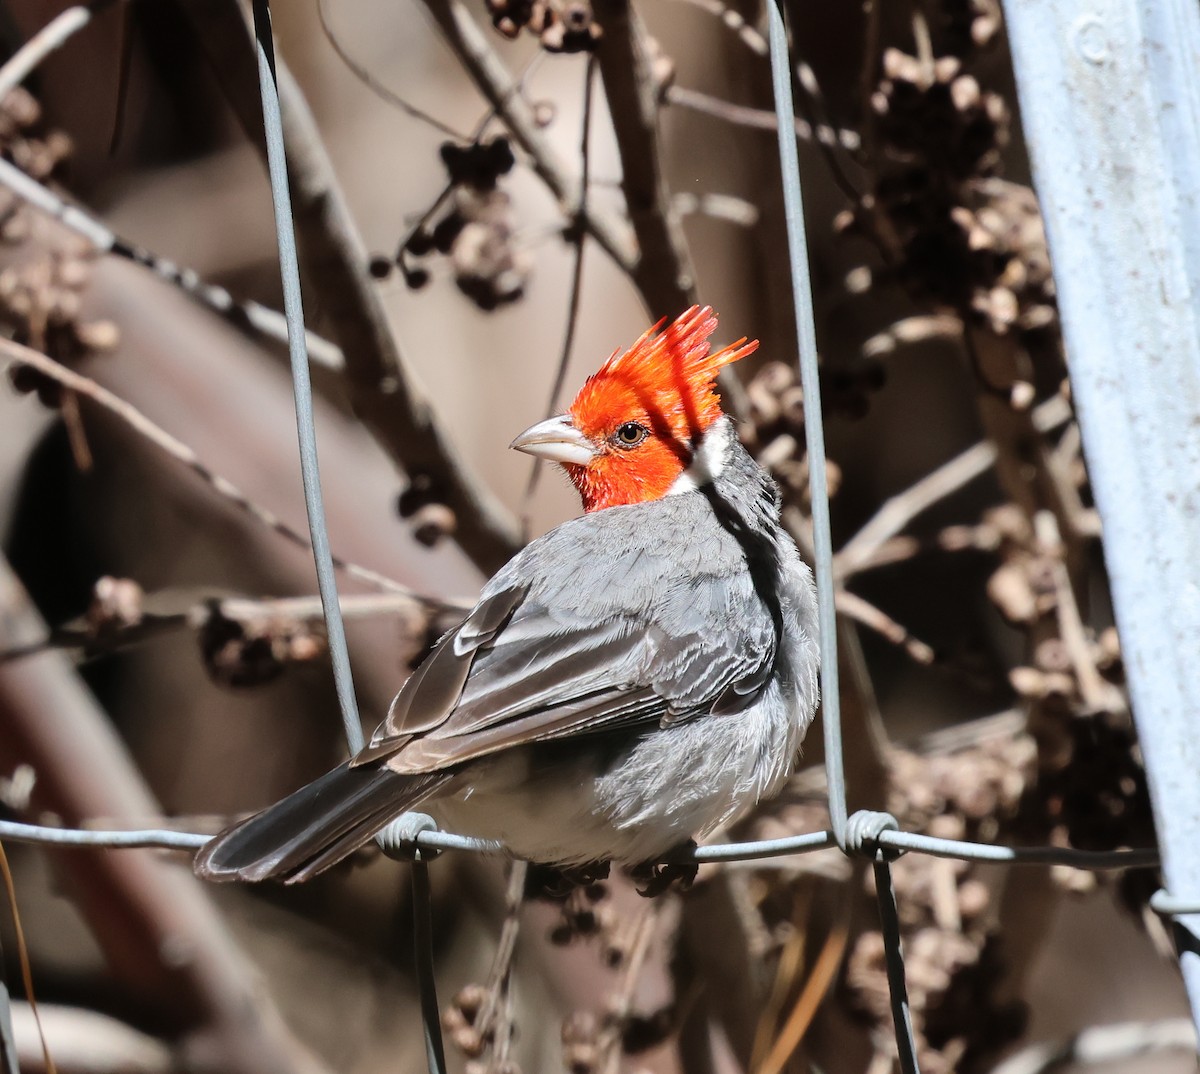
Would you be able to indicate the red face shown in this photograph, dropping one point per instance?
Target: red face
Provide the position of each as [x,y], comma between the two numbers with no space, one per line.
[642,440]
[627,436]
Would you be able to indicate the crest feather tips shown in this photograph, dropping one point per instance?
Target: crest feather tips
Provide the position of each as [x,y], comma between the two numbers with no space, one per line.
[669,375]
[680,349]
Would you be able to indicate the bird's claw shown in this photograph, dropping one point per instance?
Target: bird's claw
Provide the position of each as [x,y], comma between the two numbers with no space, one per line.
[653,879]
[556,882]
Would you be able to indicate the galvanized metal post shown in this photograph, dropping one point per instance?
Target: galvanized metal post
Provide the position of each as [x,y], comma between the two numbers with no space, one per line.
[1110,96]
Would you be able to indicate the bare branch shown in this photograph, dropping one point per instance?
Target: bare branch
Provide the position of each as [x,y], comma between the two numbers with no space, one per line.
[742,115]
[196,610]
[56,33]
[492,79]
[915,329]
[136,420]
[864,612]
[1103,1044]
[663,271]
[377,87]
[87,1042]
[577,239]
[384,390]
[735,23]
[947,479]
[247,315]
[165,944]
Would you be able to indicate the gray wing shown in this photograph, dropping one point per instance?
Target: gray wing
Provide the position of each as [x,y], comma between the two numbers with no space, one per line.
[599,625]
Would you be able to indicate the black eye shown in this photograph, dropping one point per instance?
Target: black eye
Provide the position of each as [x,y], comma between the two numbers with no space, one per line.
[630,434]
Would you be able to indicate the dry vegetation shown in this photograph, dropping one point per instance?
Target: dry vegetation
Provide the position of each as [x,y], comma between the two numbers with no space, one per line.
[490,198]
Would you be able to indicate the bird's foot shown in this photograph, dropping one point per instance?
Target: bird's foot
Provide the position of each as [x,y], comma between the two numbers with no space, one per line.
[653,878]
[556,882]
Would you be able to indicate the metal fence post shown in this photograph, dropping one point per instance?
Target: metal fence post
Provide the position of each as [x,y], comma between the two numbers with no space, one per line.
[1110,97]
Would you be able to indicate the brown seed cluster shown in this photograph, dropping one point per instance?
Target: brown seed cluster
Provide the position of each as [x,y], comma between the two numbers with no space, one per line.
[588,1038]
[41,297]
[116,607]
[561,27]
[472,229]
[586,912]
[952,232]
[969,24]
[41,303]
[419,504]
[774,434]
[40,154]
[470,1023]
[1091,791]
[252,651]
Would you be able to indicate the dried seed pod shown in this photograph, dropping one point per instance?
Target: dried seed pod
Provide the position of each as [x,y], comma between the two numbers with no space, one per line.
[1010,590]
[469,1041]
[116,605]
[432,522]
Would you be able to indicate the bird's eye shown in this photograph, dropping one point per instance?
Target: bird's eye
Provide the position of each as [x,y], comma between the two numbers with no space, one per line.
[630,434]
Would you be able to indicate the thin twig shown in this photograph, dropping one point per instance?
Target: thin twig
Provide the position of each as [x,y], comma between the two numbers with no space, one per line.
[901,509]
[787,971]
[621,1005]
[495,1017]
[717,207]
[378,88]
[578,235]
[201,608]
[863,611]
[815,989]
[487,71]
[1096,694]
[735,23]
[247,315]
[663,271]
[916,329]
[56,33]
[742,115]
[812,104]
[136,420]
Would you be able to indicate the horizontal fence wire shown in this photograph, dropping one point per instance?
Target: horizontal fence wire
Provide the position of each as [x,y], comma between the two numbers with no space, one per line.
[756,850]
[814,437]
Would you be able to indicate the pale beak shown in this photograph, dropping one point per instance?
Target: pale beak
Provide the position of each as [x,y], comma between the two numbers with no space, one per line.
[558,440]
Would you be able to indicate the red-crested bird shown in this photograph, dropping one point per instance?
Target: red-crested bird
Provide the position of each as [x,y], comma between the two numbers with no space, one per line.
[631,679]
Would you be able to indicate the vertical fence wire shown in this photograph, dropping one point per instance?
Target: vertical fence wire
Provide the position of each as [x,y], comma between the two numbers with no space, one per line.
[322,557]
[893,953]
[814,433]
[293,308]
[431,1017]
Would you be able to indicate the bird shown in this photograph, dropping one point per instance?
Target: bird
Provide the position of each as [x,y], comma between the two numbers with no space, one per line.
[629,681]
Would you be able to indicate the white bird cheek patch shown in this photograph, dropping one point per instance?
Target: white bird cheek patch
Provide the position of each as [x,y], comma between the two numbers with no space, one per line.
[708,463]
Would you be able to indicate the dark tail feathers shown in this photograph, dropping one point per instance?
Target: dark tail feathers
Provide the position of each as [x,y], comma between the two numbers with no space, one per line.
[314,827]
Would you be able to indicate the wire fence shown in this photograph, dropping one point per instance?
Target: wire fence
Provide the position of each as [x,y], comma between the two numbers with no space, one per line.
[872,835]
